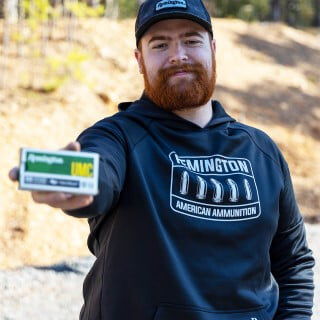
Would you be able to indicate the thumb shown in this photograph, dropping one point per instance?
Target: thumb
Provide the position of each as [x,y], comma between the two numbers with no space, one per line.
[72,146]
[14,174]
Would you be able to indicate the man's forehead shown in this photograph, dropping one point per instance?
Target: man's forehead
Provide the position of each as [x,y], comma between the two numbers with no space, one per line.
[174,26]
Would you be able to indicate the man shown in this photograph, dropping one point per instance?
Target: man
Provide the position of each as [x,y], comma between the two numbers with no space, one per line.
[196,217]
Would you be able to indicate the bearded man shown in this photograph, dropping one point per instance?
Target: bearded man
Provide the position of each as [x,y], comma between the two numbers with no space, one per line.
[196,217]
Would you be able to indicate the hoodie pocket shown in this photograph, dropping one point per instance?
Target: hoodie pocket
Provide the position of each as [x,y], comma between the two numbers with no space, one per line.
[168,312]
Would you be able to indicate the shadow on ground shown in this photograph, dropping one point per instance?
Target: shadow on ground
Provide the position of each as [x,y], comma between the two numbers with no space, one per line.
[289,107]
[59,268]
[78,266]
[290,54]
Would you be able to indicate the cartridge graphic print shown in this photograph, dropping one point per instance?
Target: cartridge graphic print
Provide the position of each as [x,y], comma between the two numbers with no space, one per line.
[214,187]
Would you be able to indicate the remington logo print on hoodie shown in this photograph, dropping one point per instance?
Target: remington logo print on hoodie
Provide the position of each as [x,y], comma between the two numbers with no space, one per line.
[214,188]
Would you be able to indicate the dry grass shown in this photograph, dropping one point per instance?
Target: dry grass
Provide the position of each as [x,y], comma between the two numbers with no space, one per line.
[268,77]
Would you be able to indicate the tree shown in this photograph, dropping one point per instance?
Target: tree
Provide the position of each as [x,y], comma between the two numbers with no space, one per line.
[1,9]
[292,12]
[316,19]
[275,10]
[9,10]
[112,9]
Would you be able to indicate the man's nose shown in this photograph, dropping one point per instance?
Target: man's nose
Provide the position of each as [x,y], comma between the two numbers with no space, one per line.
[178,54]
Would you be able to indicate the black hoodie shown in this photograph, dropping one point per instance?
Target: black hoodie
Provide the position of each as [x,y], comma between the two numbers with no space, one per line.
[192,223]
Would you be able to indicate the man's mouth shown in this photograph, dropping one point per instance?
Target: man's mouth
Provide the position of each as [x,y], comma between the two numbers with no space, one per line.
[181,73]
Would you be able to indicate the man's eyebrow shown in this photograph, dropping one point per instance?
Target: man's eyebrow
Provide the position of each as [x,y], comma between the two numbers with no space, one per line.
[184,35]
[193,33]
[155,38]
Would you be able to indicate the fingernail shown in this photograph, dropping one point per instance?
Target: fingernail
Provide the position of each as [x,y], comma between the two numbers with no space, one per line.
[68,195]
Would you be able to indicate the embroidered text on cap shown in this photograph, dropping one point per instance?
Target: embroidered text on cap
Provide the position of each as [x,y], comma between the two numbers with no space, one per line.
[165,4]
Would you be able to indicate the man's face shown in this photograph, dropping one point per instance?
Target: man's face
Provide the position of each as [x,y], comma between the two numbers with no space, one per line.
[177,60]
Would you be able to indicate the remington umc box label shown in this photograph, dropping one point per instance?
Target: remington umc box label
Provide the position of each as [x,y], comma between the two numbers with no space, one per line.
[65,171]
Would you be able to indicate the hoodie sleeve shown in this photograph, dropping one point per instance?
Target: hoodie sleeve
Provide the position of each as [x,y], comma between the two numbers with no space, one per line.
[106,139]
[291,259]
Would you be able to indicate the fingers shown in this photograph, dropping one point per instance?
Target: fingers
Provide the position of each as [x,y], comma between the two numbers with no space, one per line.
[72,146]
[62,200]
[76,202]
[14,174]
[49,197]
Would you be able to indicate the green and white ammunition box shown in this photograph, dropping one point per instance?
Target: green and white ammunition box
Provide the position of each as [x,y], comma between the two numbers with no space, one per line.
[63,171]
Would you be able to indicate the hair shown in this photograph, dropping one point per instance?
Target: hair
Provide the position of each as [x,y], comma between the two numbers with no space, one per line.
[139,46]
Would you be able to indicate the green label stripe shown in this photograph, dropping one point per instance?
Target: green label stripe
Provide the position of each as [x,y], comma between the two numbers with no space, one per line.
[59,164]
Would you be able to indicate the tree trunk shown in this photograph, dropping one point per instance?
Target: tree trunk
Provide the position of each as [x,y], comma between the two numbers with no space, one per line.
[93,3]
[275,10]
[112,9]
[292,12]
[1,9]
[5,45]
[11,10]
[316,19]
[21,17]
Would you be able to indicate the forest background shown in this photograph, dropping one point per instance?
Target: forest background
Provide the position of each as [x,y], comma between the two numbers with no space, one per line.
[66,64]
[293,12]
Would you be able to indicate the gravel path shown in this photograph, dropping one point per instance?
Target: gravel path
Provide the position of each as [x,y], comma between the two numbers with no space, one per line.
[55,292]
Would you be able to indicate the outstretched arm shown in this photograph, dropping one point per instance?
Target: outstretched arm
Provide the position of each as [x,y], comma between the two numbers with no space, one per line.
[105,139]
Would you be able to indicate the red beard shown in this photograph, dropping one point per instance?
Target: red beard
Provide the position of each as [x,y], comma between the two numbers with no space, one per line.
[185,93]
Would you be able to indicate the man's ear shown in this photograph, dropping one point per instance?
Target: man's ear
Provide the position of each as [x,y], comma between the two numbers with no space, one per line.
[138,56]
[213,45]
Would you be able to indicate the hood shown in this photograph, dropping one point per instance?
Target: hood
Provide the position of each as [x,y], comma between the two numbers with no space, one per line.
[146,108]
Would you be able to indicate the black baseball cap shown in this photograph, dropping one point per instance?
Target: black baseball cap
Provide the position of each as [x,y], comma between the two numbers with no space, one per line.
[152,11]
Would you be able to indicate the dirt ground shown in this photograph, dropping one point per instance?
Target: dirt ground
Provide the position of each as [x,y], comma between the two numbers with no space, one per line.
[268,77]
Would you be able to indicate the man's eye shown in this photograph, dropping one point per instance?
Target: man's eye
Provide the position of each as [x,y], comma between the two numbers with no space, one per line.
[192,42]
[160,46]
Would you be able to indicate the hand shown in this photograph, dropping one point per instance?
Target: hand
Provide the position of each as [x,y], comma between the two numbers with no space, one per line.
[61,200]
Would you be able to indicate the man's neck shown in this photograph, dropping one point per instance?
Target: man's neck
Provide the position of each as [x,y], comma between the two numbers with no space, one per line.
[200,115]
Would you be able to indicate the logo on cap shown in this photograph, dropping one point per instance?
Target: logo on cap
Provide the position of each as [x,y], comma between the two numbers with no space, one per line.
[165,4]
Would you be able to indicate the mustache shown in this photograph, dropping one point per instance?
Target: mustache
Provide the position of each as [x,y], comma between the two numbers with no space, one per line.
[194,68]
